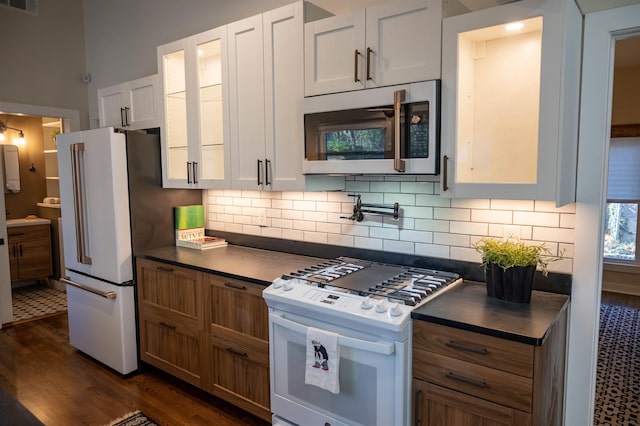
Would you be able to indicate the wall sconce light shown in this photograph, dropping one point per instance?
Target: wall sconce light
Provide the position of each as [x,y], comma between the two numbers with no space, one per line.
[19,141]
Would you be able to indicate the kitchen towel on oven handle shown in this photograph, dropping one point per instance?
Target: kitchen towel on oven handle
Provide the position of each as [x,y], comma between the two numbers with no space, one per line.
[322,367]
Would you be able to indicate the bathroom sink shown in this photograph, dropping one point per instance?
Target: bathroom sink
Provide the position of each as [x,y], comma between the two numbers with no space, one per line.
[26,221]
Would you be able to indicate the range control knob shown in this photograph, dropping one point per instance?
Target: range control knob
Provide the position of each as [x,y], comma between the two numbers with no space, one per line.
[381,307]
[367,303]
[288,286]
[277,283]
[395,310]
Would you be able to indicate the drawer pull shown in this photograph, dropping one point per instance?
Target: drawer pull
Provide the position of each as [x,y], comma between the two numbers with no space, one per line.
[454,345]
[475,382]
[169,326]
[236,352]
[236,286]
[165,269]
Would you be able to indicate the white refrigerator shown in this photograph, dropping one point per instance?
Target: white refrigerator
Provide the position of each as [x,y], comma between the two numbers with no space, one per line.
[112,206]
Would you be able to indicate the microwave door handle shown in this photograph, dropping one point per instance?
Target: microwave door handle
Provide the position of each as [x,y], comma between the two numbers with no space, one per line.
[384,348]
[78,201]
[398,99]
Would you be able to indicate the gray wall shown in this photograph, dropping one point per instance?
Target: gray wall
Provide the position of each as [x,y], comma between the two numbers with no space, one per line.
[122,35]
[42,57]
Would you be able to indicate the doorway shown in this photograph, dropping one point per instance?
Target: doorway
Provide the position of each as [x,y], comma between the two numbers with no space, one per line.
[69,121]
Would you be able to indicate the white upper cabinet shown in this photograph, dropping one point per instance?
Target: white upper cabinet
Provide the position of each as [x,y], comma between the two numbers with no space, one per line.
[392,43]
[266,90]
[194,135]
[510,101]
[132,105]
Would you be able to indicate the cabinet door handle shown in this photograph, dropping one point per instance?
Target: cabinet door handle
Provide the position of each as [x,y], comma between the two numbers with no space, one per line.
[236,352]
[445,172]
[15,252]
[169,326]
[417,421]
[164,268]
[369,52]
[355,66]
[126,116]
[195,172]
[20,250]
[122,117]
[468,380]
[267,165]
[236,286]
[454,345]
[16,234]
[188,171]
[259,172]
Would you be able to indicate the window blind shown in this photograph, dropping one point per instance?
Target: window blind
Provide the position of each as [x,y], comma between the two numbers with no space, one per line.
[624,170]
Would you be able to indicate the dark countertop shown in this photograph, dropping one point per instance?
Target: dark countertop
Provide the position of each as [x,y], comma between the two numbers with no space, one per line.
[468,307]
[246,263]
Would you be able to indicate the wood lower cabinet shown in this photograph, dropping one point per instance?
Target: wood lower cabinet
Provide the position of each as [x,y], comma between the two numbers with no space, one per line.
[30,252]
[208,330]
[462,377]
[171,319]
[238,350]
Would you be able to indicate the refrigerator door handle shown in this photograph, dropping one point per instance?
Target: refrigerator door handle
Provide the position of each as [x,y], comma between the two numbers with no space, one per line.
[78,202]
[105,294]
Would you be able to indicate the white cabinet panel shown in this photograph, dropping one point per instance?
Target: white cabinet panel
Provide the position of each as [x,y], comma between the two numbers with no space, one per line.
[393,43]
[131,105]
[510,102]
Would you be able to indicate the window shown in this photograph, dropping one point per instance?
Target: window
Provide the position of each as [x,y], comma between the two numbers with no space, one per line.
[623,199]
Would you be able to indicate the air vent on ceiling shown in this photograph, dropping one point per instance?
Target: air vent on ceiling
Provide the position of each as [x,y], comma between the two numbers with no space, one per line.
[30,6]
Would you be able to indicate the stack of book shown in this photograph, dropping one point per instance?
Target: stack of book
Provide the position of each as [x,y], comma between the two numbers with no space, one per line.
[189,221]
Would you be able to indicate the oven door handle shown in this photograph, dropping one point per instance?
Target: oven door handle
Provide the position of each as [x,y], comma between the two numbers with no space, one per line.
[384,348]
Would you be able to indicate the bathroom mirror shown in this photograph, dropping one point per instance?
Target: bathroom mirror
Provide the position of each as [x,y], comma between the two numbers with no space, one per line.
[11,167]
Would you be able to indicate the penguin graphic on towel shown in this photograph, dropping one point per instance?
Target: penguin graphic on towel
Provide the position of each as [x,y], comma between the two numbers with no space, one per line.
[321,356]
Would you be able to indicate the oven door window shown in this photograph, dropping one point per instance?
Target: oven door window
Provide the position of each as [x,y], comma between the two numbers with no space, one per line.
[369,384]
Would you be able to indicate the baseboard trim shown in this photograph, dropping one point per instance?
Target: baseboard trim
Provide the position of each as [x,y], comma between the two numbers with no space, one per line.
[633,290]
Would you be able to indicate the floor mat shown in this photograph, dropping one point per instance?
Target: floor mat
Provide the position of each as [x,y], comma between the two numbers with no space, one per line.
[37,300]
[618,375]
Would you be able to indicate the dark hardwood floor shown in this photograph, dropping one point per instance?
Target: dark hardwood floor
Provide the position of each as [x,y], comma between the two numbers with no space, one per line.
[61,386]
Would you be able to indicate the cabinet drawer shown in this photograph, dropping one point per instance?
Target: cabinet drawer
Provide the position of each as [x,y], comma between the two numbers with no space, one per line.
[165,289]
[18,234]
[236,307]
[488,351]
[486,383]
[240,375]
[171,346]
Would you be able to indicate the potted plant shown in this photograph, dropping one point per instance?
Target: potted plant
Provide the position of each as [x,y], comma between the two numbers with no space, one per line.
[510,267]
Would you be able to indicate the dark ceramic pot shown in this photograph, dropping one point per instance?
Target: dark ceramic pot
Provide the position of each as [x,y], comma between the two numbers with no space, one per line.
[511,284]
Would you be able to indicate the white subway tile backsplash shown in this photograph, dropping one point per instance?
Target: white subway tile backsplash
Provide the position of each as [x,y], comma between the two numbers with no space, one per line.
[384,233]
[417,187]
[398,246]
[525,205]
[469,228]
[432,250]
[315,216]
[432,225]
[492,216]
[451,239]
[368,243]
[536,219]
[416,236]
[452,214]
[471,204]
[429,225]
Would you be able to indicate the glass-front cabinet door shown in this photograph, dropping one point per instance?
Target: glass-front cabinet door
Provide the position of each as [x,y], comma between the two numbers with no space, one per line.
[510,81]
[193,73]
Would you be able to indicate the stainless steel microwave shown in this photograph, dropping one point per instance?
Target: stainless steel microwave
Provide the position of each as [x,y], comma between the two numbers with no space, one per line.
[387,130]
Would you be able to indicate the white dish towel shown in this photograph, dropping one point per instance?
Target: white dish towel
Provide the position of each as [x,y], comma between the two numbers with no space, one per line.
[323,360]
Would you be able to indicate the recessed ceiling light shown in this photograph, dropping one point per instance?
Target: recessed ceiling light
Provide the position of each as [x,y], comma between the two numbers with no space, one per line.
[514,26]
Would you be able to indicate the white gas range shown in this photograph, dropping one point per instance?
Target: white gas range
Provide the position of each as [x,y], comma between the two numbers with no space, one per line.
[368,306]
